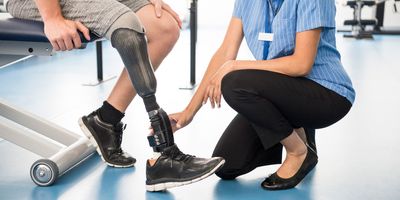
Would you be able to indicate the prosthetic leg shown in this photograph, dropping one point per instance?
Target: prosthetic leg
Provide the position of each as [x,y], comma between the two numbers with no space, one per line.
[173,168]
[132,46]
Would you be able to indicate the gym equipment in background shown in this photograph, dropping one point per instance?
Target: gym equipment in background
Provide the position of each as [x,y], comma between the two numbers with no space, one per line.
[359,26]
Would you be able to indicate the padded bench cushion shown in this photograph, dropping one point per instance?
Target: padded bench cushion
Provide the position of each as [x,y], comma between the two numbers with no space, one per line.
[27,30]
[362,22]
[364,3]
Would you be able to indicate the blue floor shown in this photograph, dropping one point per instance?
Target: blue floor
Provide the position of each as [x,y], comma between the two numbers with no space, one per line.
[357,156]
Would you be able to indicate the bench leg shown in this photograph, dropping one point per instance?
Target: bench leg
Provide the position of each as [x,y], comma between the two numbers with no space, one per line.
[99,60]
[99,56]
[193,41]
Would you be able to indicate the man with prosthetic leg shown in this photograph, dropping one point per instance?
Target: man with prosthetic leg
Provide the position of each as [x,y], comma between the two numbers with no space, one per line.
[169,167]
[118,21]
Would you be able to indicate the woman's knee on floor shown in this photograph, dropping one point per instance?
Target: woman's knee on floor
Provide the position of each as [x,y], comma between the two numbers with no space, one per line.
[227,174]
[232,167]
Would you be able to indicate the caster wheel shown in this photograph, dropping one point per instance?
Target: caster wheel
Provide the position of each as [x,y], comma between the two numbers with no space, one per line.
[44,172]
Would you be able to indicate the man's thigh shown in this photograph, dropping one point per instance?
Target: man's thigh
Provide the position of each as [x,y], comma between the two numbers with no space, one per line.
[135,5]
[97,15]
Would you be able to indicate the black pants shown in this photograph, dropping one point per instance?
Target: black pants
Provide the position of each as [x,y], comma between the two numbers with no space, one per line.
[270,106]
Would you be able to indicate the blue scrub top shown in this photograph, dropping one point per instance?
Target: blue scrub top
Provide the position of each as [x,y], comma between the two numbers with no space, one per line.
[289,17]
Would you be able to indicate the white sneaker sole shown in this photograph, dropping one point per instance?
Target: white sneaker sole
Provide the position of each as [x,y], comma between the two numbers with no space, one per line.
[167,185]
[89,135]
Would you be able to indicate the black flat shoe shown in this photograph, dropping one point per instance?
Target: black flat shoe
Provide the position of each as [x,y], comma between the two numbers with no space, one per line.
[274,182]
[310,134]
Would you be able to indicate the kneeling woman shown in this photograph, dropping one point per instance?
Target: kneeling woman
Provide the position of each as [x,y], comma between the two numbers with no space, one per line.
[296,82]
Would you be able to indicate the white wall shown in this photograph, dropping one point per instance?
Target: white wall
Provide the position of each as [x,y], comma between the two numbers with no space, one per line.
[206,17]
[392,18]
[2,6]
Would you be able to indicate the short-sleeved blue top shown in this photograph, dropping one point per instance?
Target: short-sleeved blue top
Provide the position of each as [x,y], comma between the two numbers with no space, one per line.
[289,17]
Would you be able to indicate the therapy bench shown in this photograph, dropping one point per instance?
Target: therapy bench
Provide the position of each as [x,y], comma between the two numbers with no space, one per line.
[60,149]
[21,38]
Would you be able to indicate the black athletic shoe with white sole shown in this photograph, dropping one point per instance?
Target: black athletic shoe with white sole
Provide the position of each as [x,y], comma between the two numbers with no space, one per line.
[173,169]
[107,139]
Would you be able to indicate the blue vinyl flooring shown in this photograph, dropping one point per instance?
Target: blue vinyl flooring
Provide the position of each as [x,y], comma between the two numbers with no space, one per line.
[358,157]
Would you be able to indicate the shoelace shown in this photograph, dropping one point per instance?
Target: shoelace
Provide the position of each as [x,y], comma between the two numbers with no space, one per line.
[118,140]
[177,154]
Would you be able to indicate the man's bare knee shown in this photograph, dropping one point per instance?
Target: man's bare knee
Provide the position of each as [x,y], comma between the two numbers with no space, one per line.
[167,31]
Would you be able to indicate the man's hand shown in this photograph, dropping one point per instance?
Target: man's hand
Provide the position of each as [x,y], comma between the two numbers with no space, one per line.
[159,6]
[63,34]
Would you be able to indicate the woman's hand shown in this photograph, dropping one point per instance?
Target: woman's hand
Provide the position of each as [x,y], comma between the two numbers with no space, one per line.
[180,120]
[159,5]
[213,91]
[63,34]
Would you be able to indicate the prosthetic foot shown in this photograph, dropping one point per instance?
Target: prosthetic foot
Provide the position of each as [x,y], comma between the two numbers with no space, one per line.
[172,168]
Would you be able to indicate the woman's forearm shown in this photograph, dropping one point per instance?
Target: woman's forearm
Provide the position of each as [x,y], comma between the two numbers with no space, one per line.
[49,9]
[227,51]
[289,65]
[219,58]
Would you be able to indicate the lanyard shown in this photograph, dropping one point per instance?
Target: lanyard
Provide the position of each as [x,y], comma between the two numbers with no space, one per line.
[272,12]
[271,8]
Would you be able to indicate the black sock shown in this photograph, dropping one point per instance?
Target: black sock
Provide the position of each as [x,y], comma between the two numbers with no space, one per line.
[109,114]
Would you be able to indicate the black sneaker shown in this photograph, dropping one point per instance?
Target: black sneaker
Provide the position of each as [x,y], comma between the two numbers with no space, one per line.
[107,139]
[173,169]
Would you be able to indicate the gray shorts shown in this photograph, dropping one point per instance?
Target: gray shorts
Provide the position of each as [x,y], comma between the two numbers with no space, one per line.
[97,15]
